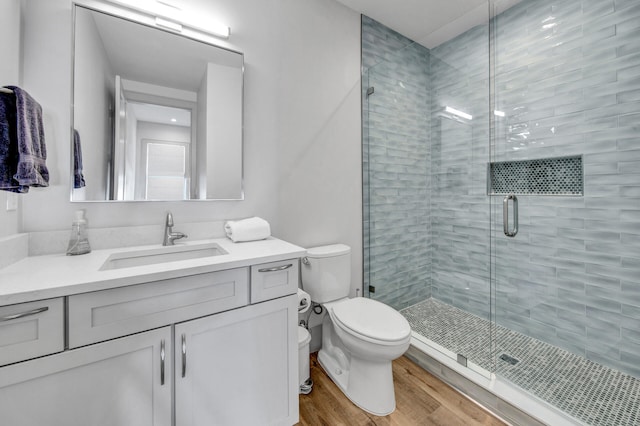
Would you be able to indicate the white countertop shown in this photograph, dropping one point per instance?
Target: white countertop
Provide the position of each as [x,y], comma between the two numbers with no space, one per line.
[45,277]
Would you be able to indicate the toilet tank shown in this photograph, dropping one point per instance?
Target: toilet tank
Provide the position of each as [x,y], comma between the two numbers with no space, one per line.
[326,272]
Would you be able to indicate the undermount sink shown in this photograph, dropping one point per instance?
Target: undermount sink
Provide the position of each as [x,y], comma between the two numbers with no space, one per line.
[144,257]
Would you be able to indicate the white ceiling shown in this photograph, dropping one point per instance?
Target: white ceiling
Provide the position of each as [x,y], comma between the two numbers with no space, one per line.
[161,114]
[428,22]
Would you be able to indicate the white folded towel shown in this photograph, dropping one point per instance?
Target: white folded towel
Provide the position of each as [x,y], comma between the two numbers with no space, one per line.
[251,229]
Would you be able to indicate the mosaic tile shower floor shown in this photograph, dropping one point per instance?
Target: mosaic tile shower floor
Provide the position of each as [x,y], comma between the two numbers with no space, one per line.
[587,391]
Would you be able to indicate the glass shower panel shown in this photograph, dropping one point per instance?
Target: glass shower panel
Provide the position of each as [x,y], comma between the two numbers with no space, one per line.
[426,212]
[567,285]
[396,159]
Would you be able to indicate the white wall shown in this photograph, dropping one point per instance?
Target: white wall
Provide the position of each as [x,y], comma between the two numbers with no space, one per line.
[320,174]
[10,42]
[94,86]
[199,173]
[301,129]
[9,75]
[224,130]
[131,155]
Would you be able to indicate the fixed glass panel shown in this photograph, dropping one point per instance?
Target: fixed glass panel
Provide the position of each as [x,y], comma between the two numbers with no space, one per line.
[426,148]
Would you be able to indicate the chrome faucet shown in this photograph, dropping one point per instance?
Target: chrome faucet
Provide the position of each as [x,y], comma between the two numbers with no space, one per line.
[169,235]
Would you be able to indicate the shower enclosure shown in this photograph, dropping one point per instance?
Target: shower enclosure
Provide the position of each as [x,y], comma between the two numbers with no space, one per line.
[501,172]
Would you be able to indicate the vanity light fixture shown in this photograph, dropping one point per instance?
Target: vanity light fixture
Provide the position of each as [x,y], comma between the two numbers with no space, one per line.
[166,15]
[177,16]
[458,113]
[215,29]
[165,23]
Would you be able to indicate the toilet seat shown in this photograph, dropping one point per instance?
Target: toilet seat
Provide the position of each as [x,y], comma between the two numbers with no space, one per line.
[371,320]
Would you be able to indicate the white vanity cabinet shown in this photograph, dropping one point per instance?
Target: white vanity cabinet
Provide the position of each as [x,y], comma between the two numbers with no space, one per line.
[198,349]
[115,383]
[238,367]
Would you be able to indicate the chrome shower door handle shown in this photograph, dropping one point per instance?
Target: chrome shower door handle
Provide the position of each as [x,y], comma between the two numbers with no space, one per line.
[505,215]
[184,354]
[162,360]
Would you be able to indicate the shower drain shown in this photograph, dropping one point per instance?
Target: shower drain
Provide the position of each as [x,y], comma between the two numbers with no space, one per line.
[509,359]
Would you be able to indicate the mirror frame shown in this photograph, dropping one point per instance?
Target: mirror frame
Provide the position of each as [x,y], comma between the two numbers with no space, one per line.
[148,21]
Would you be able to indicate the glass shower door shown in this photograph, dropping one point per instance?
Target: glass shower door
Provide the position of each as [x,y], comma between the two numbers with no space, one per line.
[567,283]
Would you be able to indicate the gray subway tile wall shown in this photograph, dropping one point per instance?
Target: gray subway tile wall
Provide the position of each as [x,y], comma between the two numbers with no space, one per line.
[567,77]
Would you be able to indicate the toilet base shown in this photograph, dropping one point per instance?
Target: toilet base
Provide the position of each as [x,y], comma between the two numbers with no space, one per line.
[367,384]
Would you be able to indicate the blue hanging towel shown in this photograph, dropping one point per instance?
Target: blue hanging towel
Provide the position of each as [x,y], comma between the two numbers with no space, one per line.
[22,147]
[8,142]
[78,177]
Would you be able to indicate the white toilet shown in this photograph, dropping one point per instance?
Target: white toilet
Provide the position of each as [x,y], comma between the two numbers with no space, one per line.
[360,337]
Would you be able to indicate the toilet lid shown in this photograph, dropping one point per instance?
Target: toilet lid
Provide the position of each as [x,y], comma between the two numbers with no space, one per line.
[372,319]
[328,251]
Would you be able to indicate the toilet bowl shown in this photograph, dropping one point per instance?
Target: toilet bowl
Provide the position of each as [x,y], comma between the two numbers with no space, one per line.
[360,336]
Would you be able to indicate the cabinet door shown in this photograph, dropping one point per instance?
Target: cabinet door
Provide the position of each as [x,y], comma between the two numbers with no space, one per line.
[239,367]
[114,383]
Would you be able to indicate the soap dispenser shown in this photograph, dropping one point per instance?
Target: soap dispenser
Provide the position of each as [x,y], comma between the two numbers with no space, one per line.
[78,242]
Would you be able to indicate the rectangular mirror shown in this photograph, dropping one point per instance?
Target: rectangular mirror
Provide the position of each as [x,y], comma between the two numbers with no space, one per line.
[157,116]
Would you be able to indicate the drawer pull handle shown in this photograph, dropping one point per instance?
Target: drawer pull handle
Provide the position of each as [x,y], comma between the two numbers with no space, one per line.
[162,356]
[24,314]
[276,268]
[184,354]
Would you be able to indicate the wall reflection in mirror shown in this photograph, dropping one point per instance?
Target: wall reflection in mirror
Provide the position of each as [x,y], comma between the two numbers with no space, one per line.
[156,116]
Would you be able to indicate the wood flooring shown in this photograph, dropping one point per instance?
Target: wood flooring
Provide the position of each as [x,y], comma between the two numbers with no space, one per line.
[421,399]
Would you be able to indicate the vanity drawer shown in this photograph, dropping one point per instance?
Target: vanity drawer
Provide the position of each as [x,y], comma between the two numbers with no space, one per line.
[272,280]
[30,330]
[107,314]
